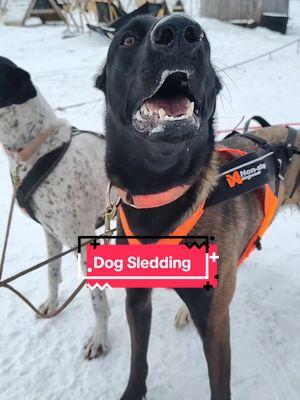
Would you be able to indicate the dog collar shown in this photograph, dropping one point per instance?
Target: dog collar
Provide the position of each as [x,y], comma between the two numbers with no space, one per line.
[176,236]
[34,144]
[153,200]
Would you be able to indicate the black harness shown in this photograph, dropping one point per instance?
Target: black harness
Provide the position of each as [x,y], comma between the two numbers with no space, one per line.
[40,171]
[256,168]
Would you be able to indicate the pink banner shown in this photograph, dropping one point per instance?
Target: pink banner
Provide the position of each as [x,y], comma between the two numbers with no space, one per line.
[152,266]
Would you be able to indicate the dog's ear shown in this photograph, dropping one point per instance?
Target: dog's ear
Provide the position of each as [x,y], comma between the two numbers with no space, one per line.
[19,78]
[15,84]
[101,80]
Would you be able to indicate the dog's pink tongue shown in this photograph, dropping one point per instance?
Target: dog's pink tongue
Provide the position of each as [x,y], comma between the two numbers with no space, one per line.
[173,107]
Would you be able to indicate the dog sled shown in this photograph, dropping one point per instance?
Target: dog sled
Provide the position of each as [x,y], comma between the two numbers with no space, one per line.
[109,27]
[178,7]
[45,10]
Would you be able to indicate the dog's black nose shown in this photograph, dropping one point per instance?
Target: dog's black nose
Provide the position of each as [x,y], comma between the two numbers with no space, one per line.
[176,32]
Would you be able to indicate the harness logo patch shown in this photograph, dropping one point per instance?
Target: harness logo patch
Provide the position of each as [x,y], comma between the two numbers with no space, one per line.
[239,177]
[234,179]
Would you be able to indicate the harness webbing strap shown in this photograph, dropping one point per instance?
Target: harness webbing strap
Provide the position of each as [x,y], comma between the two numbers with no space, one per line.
[258,119]
[37,175]
[243,175]
[270,208]
[41,169]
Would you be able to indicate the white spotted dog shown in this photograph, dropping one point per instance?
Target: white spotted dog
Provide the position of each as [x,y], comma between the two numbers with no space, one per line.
[68,202]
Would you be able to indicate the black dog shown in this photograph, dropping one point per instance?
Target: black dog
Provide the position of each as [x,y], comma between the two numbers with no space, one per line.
[161,91]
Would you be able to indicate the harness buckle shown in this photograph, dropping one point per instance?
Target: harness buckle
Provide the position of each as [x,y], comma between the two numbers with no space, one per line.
[16,176]
[110,213]
[280,165]
[290,152]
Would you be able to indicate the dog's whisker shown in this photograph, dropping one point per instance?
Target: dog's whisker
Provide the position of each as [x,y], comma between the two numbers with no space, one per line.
[220,62]
[230,78]
[228,91]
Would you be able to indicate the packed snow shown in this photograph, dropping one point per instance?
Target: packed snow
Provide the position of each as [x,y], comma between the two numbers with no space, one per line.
[43,360]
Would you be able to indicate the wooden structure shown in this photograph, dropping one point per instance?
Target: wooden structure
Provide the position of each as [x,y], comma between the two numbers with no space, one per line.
[228,10]
[45,10]
[276,6]
[3,5]
[159,8]
[108,10]
[275,15]
[178,7]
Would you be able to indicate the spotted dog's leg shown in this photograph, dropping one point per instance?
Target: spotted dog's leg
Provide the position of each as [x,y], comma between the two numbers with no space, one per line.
[54,247]
[97,345]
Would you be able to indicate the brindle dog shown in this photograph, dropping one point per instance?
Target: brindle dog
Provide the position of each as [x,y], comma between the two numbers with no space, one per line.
[161,91]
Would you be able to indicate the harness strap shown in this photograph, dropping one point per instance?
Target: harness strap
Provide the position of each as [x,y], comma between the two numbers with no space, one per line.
[37,175]
[270,208]
[284,155]
[41,169]
[256,139]
[243,175]
[258,119]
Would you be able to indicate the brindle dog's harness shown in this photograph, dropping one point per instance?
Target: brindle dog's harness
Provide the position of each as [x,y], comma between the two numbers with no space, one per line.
[248,173]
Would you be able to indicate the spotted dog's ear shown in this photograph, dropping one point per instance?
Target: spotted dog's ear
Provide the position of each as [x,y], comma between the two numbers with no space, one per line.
[101,80]
[15,84]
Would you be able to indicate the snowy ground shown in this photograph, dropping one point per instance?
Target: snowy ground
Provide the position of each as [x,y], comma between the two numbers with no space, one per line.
[43,360]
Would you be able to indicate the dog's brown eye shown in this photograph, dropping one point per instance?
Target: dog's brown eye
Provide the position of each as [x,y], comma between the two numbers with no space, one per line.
[129,41]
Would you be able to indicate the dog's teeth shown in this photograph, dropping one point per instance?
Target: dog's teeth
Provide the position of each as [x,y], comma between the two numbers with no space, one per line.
[161,113]
[145,110]
[190,110]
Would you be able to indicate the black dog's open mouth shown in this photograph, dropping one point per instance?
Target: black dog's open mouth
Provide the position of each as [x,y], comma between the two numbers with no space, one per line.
[172,102]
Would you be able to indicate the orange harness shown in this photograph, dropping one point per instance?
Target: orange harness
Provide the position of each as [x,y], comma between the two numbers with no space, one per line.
[270,207]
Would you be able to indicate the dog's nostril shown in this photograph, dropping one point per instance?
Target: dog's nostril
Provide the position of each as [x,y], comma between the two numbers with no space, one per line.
[192,35]
[165,37]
